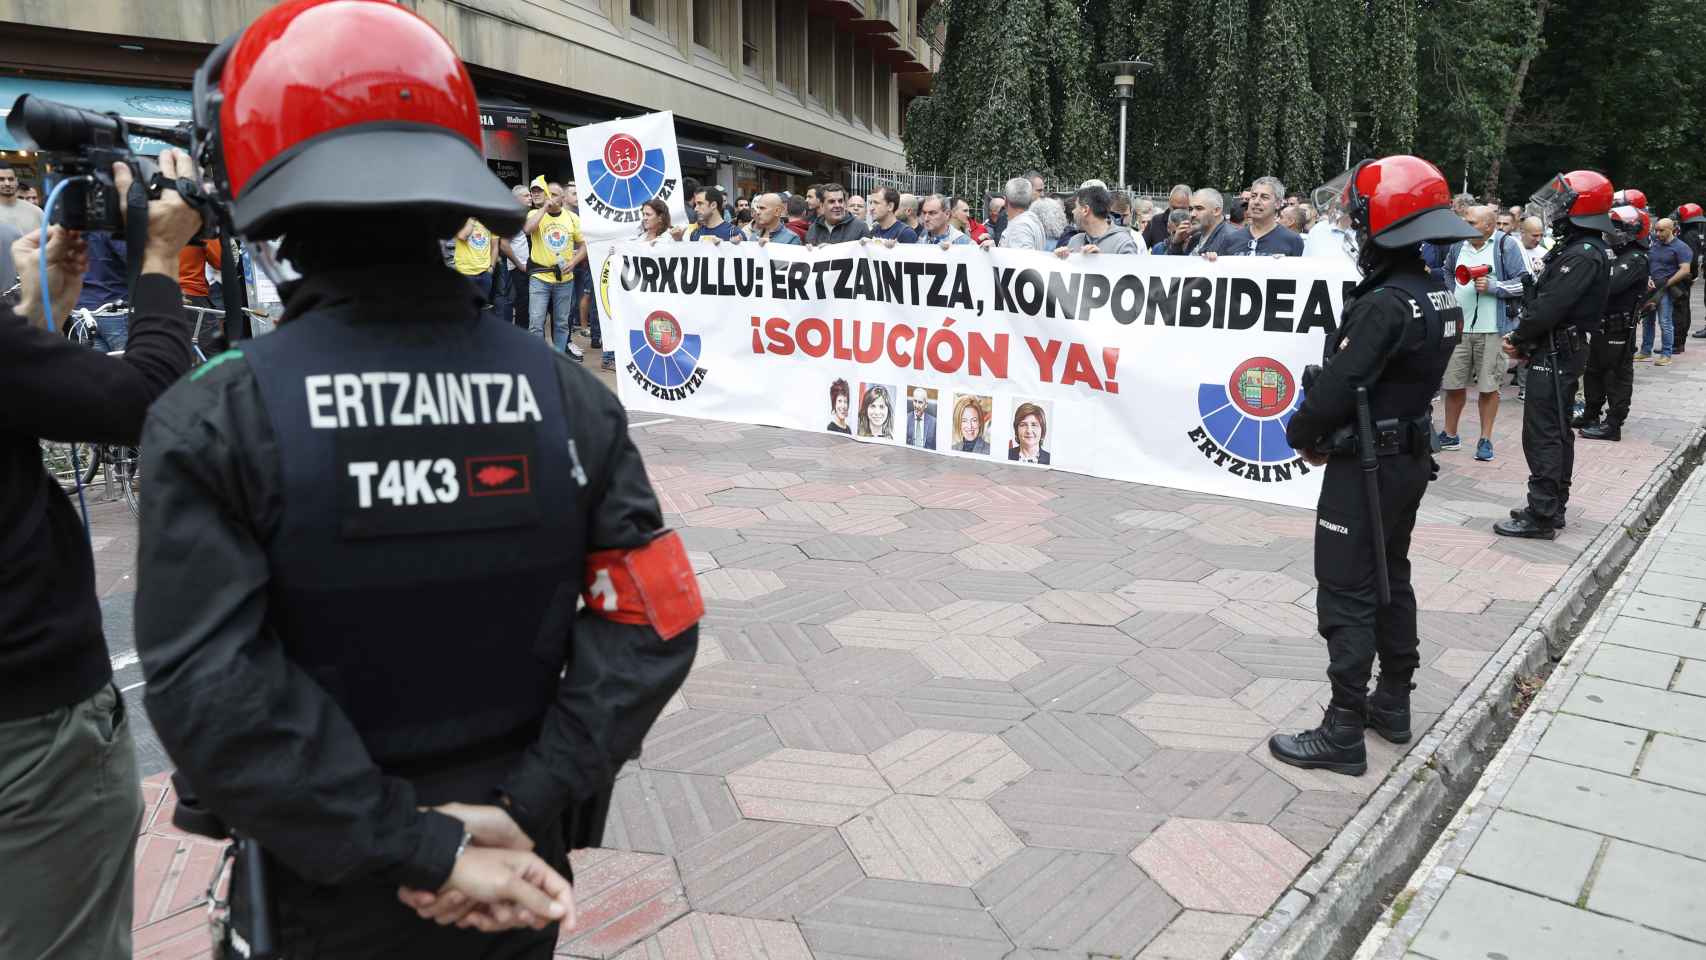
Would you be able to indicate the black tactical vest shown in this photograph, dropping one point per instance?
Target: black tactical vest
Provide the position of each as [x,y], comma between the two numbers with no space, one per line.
[1620,306]
[1413,374]
[427,561]
[1586,313]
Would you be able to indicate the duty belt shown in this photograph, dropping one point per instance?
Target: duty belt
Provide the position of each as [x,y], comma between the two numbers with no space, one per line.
[1392,437]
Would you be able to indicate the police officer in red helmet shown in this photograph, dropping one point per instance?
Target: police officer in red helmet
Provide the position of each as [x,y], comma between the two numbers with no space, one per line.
[367,533]
[1399,329]
[1608,380]
[1567,305]
[1690,223]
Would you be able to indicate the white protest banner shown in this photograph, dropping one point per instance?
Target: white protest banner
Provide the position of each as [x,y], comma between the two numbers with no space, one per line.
[1172,371]
[620,165]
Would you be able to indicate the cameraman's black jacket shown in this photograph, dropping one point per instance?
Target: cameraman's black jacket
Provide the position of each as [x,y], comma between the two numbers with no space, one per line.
[1399,330]
[341,620]
[52,652]
[1570,290]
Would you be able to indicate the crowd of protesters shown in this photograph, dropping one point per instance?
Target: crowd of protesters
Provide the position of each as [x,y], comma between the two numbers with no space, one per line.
[1261,221]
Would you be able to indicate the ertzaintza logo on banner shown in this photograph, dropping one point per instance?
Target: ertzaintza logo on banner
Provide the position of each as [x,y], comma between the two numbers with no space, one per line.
[664,359]
[1244,420]
[625,177]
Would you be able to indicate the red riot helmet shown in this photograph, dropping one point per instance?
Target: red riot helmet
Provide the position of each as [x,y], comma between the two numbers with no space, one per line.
[1394,202]
[346,106]
[1582,196]
[1629,196]
[1631,224]
[1690,213]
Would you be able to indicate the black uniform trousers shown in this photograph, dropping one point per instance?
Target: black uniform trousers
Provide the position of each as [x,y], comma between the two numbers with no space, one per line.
[1681,314]
[1547,441]
[1609,379]
[1347,600]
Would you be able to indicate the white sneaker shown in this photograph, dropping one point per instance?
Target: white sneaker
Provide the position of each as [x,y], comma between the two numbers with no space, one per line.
[575,351]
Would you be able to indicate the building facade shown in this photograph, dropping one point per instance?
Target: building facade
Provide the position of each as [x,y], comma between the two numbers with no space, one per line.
[768,94]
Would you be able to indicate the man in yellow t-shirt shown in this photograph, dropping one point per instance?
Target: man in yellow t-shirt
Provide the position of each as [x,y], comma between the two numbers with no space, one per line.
[555,247]
[473,258]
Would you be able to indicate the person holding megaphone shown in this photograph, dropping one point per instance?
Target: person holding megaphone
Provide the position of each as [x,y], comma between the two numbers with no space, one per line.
[1489,274]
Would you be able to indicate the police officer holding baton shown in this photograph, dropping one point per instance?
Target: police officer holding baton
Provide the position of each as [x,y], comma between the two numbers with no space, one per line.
[1365,416]
[368,533]
[1568,300]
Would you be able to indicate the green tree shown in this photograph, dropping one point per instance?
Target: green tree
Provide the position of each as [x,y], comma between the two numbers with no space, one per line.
[1080,144]
[1466,80]
[1289,126]
[1335,42]
[1228,26]
[1388,69]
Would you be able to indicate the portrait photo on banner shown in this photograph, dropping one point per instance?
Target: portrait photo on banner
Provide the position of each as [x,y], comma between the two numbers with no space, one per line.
[921,417]
[1028,443]
[840,407]
[971,424]
[876,411]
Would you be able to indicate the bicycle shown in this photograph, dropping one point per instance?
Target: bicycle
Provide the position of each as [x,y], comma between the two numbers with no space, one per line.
[202,313]
[121,464]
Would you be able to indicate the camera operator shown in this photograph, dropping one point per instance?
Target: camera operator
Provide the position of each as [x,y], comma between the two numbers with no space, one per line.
[68,778]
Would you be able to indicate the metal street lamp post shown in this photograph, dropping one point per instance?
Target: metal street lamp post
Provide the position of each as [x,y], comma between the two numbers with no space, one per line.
[1350,134]
[1125,83]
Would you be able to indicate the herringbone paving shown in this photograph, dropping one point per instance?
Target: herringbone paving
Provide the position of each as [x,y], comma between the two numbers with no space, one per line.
[961,709]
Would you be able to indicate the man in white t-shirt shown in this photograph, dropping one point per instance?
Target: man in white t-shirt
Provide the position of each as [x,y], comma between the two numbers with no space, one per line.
[25,217]
[1533,250]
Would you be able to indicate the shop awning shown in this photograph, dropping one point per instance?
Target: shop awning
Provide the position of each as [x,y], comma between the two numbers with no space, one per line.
[764,160]
[156,105]
[703,154]
[501,113]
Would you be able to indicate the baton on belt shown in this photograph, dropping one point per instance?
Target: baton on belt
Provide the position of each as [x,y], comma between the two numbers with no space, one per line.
[1371,493]
[249,934]
[1557,383]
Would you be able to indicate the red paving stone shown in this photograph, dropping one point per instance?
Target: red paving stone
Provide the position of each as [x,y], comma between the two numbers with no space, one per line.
[621,898]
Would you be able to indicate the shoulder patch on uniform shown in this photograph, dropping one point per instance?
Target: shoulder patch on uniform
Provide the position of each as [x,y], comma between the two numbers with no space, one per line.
[215,361]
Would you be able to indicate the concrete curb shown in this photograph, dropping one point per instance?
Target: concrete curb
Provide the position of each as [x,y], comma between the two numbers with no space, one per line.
[1321,906]
[1390,938]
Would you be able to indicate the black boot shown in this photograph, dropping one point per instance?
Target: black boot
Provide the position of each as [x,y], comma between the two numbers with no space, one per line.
[1525,526]
[1521,513]
[1388,712]
[1582,419]
[1335,745]
[1603,431]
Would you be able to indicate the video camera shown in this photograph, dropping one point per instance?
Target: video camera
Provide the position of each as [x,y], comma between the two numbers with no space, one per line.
[81,146]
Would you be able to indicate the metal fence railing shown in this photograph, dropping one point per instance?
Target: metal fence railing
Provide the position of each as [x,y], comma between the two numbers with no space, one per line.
[866,177]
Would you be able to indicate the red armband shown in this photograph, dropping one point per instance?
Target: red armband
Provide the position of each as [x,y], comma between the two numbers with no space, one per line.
[653,584]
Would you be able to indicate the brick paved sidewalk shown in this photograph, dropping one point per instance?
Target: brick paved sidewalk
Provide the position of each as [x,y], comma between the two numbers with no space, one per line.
[971,710]
[1584,838]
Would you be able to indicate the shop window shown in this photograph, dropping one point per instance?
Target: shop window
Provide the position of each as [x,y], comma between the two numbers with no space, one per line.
[646,10]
